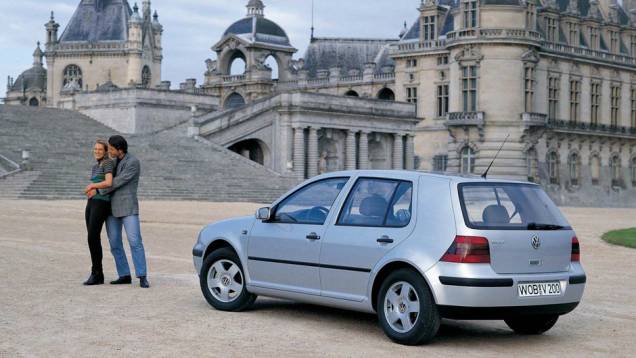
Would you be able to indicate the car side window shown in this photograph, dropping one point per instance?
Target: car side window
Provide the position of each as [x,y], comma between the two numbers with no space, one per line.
[311,204]
[378,202]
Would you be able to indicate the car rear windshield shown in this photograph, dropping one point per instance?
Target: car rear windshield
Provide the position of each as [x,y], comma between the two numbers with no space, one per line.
[509,206]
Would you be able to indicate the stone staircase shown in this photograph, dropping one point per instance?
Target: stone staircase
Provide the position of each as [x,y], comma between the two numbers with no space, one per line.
[174,167]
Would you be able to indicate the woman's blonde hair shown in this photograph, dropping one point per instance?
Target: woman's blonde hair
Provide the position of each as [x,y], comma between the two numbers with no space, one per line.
[103,143]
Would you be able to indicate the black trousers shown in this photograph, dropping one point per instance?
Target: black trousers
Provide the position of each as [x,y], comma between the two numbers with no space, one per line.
[96,213]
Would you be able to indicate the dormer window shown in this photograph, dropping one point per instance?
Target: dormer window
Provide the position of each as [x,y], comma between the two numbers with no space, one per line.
[613,41]
[429,28]
[594,38]
[551,29]
[531,16]
[574,34]
[469,9]
[632,45]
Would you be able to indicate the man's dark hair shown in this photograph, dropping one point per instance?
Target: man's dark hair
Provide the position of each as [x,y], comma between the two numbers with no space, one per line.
[119,143]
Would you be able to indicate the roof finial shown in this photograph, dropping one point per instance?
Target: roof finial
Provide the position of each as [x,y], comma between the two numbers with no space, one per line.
[155,16]
[52,16]
[255,8]
[37,55]
[135,8]
[312,20]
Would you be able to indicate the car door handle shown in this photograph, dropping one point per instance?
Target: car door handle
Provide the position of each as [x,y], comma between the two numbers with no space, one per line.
[385,240]
[313,236]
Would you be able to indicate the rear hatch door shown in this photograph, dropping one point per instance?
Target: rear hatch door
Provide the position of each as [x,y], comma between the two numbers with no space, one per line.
[526,232]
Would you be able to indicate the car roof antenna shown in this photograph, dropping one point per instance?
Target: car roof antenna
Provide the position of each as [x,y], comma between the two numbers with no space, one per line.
[485,175]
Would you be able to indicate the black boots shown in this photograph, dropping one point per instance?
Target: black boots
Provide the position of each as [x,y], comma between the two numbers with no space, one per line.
[124,280]
[96,278]
[143,282]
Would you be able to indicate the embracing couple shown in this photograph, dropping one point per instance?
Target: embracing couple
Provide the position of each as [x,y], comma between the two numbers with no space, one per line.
[112,199]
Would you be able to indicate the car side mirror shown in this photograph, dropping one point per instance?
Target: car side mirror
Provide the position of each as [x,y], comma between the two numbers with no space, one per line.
[263,214]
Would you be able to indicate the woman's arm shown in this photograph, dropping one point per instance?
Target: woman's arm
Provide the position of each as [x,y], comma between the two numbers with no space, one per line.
[107,183]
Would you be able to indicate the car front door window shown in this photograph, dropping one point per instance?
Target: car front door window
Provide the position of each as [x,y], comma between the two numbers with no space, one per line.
[311,204]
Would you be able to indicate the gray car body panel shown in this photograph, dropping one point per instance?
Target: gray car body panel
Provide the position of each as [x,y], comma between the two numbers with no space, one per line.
[436,219]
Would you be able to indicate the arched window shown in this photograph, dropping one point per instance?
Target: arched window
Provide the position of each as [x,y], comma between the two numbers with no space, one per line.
[351,93]
[272,64]
[615,170]
[72,78]
[234,100]
[386,94]
[595,168]
[467,160]
[146,76]
[573,168]
[633,169]
[553,167]
[33,102]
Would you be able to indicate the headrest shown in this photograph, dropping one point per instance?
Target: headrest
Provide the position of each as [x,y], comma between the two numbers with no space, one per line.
[373,206]
[496,214]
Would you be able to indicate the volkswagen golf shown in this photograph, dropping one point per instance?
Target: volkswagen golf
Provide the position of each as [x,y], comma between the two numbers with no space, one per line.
[411,247]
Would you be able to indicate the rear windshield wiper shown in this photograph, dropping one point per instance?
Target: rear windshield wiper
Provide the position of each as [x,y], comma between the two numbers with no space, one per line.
[536,226]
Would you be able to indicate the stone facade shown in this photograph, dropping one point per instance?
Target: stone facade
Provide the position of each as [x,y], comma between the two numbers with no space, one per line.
[552,83]
[557,79]
[304,134]
[105,42]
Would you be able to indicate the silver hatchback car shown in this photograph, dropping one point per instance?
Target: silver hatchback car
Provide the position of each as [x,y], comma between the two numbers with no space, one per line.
[412,247]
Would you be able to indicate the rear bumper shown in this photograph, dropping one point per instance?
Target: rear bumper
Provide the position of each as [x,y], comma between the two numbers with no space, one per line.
[459,312]
[478,286]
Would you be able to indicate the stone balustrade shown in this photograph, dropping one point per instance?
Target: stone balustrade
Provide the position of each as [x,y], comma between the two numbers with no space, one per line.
[534,119]
[233,78]
[492,34]
[465,118]
[591,128]
[588,53]
[409,47]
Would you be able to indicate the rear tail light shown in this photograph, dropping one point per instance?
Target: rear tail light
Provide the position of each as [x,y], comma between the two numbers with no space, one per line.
[576,250]
[468,249]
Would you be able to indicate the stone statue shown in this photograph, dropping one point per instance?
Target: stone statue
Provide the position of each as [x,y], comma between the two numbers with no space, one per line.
[260,62]
[322,163]
[211,66]
[297,65]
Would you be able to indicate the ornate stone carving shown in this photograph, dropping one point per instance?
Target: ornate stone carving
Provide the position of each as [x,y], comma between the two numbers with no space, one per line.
[530,56]
[469,54]
[211,66]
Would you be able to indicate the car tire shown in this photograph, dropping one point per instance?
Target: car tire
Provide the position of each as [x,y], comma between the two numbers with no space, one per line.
[411,291]
[222,281]
[532,325]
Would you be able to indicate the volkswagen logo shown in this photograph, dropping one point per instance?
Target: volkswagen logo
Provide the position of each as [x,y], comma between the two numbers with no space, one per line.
[536,242]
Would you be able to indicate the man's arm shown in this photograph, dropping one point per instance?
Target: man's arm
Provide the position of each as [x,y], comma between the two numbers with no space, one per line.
[123,178]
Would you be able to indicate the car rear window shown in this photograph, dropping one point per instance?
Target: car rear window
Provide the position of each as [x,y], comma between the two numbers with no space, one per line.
[509,206]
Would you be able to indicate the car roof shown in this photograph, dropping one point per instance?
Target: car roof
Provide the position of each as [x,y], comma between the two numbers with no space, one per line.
[414,175]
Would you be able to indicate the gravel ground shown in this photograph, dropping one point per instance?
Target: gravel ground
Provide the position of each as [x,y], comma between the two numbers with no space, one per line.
[46,312]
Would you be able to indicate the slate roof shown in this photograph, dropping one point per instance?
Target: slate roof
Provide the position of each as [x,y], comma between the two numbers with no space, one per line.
[414,31]
[348,54]
[33,78]
[260,29]
[98,20]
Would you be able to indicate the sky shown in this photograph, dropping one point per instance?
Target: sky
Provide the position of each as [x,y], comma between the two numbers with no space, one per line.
[191,27]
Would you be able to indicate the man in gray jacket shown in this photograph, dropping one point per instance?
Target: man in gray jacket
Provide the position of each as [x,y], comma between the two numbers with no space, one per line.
[125,212]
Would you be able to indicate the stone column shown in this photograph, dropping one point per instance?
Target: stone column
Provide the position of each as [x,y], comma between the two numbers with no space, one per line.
[398,151]
[299,152]
[410,152]
[363,153]
[312,155]
[350,151]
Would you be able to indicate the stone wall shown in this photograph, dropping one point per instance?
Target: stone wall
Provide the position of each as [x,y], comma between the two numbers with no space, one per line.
[139,110]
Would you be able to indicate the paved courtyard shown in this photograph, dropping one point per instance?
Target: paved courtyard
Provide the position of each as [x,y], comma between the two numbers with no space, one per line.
[46,312]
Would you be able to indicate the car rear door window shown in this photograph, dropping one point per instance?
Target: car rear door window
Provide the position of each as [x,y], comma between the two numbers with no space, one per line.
[310,204]
[378,202]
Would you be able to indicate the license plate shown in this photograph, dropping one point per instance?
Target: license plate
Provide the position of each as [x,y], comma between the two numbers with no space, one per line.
[534,289]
